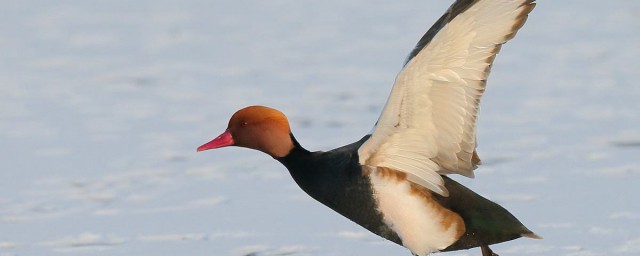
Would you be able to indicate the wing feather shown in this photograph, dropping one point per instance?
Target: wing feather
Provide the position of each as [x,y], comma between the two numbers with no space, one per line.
[428,126]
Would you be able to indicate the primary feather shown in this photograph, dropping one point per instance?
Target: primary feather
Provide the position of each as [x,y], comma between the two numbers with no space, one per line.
[428,126]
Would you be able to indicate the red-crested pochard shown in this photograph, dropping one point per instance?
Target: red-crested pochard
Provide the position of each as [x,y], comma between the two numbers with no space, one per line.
[394,181]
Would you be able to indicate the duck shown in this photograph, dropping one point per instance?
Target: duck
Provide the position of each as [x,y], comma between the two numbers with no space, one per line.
[397,180]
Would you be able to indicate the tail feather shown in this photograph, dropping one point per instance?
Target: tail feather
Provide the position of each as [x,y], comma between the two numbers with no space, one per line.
[531,235]
[486,222]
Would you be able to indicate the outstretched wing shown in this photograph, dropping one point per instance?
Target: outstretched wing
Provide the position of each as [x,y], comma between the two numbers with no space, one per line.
[428,126]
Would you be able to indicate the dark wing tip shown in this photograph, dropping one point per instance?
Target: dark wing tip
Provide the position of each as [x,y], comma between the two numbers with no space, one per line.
[521,19]
[454,10]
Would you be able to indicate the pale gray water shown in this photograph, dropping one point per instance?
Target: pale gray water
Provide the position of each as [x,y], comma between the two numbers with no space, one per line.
[102,105]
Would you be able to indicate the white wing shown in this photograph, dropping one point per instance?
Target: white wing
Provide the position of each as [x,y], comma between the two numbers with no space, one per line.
[428,126]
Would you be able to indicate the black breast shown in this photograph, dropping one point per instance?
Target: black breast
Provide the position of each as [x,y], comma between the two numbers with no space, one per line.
[335,179]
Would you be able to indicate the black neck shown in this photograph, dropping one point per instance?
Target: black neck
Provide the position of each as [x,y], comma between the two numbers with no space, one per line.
[301,165]
[335,179]
[297,151]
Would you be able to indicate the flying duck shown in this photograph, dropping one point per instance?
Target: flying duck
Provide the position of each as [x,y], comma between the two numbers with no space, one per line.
[394,182]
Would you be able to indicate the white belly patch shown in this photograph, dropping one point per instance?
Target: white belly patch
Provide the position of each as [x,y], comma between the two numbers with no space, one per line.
[423,225]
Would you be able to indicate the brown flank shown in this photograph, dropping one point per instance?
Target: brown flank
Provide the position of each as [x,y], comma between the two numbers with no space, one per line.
[449,217]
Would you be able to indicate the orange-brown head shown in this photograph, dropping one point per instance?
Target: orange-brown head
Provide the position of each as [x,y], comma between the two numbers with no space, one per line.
[256,127]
